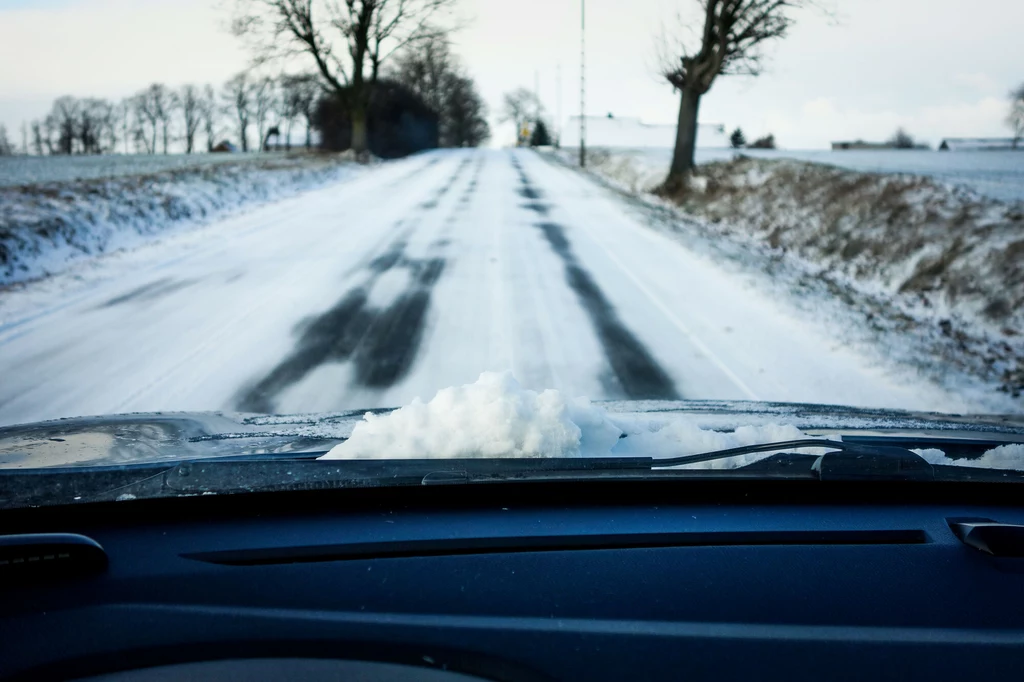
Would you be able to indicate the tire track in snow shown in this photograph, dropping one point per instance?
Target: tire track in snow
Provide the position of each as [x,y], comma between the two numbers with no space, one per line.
[636,373]
[380,342]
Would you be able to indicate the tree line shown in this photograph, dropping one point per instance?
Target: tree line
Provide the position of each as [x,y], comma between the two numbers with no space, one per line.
[195,117]
[250,109]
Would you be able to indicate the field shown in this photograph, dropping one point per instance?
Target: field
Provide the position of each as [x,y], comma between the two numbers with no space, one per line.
[28,170]
[997,174]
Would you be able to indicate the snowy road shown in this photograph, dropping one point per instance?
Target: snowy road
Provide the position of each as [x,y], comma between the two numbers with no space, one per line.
[414,276]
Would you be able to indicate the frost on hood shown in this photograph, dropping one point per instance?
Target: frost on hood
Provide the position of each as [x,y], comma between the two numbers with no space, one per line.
[496,417]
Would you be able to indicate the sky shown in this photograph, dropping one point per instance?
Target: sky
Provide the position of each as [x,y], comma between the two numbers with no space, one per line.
[939,68]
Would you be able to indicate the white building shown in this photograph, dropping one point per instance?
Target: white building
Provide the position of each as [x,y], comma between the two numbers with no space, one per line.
[978,144]
[628,132]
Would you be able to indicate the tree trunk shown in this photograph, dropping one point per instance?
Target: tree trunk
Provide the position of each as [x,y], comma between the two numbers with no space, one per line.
[686,136]
[360,142]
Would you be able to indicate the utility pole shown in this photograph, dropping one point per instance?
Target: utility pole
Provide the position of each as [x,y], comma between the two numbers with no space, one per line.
[536,94]
[558,104]
[583,83]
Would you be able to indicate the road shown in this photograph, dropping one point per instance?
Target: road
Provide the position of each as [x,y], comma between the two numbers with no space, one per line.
[410,277]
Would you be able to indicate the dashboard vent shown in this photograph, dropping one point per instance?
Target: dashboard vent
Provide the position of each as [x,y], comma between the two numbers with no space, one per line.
[51,556]
[553,543]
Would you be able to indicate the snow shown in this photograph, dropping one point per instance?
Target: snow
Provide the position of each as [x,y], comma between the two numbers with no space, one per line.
[46,227]
[902,247]
[30,170]
[994,174]
[497,417]
[420,274]
[1003,457]
[494,417]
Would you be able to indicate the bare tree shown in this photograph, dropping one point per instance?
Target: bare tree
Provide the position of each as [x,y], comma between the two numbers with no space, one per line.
[347,41]
[1015,119]
[429,69]
[6,148]
[901,139]
[467,115]
[208,113]
[300,95]
[190,105]
[265,106]
[108,117]
[291,108]
[153,107]
[426,69]
[164,103]
[520,107]
[64,120]
[731,38]
[51,133]
[24,139]
[237,97]
[37,138]
[124,121]
[95,121]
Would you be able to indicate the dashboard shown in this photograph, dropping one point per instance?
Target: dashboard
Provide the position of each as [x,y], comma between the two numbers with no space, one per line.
[631,581]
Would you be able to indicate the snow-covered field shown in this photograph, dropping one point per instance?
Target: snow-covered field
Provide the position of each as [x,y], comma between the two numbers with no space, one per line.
[47,226]
[28,170]
[995,174]
[419,275]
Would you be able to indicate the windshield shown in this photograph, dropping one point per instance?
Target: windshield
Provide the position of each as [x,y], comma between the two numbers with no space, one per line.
[639,229]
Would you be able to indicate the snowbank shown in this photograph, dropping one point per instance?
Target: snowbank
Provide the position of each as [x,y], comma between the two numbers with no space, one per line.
[950,248]
[45,227]
[496,417]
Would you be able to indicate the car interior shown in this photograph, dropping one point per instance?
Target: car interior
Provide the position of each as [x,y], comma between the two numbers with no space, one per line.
[584,580]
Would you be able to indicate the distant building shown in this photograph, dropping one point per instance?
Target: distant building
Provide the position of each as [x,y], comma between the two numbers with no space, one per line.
[959,144]
[629,132]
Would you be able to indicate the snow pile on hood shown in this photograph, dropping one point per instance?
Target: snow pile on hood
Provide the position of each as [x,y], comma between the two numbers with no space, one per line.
[496,417]
[1004,457]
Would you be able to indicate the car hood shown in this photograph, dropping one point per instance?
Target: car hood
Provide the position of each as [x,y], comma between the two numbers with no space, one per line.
[164,437]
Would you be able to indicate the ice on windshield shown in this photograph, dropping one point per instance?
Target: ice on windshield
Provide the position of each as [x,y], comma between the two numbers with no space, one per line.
[497,417]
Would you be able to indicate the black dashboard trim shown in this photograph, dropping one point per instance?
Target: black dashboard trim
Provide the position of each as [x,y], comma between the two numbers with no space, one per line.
[551,543]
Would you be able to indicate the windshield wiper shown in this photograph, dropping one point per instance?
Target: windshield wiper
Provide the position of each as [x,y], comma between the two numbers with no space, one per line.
[844,461]
[853,461]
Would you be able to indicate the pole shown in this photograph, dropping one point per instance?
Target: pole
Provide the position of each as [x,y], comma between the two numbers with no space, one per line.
[536,95]
[583,83]
[558,103]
